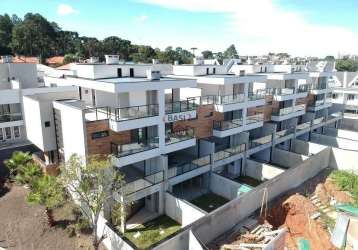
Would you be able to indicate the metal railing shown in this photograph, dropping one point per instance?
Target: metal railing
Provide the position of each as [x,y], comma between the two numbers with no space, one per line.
[180,106]
[260,141]
[255,118]
[179,135]
[143,183]
[319,86]
[10,117]
[136,112]
[188,166]
[134,148]
[318,103]
[288,110]
[220,155]
[226,125]
[229,99]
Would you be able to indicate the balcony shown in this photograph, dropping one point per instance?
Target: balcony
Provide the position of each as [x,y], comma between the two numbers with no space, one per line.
[335,117]
[179,139]
[303,128]
[226,103]
[318,105]
[226,128]
[127,118]
[284,135]
[181,172]
[10,117]
[260,141]
[320,88]
[281,94]
[181,110]
[318,122]
[130,153]
[256,98]
[303,88]
[229,155]
[148,181]
[287,113]
[254,121]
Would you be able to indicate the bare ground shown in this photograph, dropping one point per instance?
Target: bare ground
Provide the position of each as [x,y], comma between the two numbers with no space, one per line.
[24,226]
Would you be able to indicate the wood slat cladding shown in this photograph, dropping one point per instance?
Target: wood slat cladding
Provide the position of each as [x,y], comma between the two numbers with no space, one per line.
[203,125]
[103,145]
[99,145]
[309,100]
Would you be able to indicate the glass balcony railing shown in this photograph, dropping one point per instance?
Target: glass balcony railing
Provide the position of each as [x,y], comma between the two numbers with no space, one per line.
[10,117]
[140,184]
[226,125]
[285,132]
[136,112]
[254,118]
[223,154]
[183,168]
[318,103]
[179,136]
[289,110]
[318,121]
[258,95]
[319,86]
[229,99]
[303,126]
[180,106]
[260,141]
[303,88]
[134,148]
[335,115]
[280,91]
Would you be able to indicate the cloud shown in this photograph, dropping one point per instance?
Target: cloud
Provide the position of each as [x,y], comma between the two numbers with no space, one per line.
[142,18]
[260,26]
[65,9]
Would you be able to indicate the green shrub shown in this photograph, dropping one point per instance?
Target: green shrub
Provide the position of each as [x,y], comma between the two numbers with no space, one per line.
[28,173]
[83,225]
[347,181]
[17,161]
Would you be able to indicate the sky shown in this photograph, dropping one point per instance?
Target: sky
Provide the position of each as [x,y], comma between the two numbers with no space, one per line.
[255,27]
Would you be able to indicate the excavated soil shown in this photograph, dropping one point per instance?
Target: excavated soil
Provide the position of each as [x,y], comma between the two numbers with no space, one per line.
[294,214]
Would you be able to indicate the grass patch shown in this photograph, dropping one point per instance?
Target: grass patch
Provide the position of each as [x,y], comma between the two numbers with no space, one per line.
[347,181]
[152,231]
[209,202]
[327,221]
[248,181]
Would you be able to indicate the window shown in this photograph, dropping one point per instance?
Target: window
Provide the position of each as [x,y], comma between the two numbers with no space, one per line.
[131,72]
[335,96]
[1,135]
[100,134]
[16,132]
[207,71]
[214,71]
[210,114]
[7,133]
[86,91]
[350,97]
[47,124]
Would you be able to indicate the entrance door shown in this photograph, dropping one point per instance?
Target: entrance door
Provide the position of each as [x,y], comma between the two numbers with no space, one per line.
[119,72]
[131,72]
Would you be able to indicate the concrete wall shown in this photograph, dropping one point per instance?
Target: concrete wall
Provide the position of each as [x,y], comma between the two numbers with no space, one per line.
[261,171]
[343,159]
[335,142]
[306,148]
[286,159]
[182,211]
[224,218]
[224,187]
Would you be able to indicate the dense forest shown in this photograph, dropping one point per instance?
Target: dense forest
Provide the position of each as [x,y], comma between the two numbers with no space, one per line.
[34,35]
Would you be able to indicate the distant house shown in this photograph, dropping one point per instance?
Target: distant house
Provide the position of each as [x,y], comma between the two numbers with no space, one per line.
[55,61]
[23,59]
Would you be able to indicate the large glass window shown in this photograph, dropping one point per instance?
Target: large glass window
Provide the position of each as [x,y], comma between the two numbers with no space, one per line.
[16,132]
[7,133]
[1,135]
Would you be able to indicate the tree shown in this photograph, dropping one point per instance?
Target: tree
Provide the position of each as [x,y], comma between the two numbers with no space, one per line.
[115,45]
[90,182]
[47,191]
[69,58]
[329,58]
[207,54]
[144,54]
[17,161]
[34,36]
[347,65]
[231,52]
[6,26]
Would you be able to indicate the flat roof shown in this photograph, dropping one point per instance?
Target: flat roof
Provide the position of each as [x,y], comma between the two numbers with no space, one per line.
[119,80]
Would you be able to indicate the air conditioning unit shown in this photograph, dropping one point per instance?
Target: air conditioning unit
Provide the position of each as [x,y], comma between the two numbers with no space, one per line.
[153,74]
[242,73]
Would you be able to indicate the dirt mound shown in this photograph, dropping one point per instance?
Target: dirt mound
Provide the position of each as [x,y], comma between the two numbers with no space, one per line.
[322,194]
[294,213]
[334,191]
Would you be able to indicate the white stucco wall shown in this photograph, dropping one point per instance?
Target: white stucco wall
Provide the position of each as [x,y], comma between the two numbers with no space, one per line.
[261,171]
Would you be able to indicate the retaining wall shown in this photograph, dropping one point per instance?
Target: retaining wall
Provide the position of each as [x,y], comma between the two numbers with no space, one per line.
[286,159]
[335,142]
[224,187]
[261,171]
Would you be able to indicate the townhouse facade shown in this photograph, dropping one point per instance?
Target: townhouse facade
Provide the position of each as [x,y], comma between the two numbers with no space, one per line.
[170,127]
